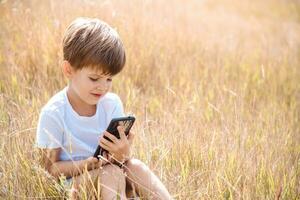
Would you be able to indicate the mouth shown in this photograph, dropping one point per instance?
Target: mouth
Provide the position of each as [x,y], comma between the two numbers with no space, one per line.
[96,95]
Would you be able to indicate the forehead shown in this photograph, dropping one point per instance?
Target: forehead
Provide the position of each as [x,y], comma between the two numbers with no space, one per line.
[94,71]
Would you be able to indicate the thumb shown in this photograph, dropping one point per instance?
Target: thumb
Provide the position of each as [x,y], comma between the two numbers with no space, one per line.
[93,160]
[121,132]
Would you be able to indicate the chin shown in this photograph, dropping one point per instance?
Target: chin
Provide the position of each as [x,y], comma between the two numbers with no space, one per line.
[94,103]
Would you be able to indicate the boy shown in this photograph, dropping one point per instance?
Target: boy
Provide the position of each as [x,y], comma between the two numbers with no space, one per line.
[73,122]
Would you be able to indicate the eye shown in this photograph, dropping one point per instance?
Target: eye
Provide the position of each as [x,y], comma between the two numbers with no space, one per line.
[93,79]
[109,79]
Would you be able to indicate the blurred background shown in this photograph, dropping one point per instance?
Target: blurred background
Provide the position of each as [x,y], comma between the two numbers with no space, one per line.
[214,86]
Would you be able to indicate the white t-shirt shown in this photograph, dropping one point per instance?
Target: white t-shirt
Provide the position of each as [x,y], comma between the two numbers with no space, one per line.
[60,126]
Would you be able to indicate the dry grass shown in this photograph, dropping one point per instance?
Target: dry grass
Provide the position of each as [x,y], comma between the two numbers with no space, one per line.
[214,85]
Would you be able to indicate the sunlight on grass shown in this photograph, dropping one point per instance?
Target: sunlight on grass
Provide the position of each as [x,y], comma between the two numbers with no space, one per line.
[214,86]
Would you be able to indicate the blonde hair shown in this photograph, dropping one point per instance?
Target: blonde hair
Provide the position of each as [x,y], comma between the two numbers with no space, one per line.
[93,43]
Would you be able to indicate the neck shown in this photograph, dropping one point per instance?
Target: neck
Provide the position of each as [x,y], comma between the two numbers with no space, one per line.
[78,105]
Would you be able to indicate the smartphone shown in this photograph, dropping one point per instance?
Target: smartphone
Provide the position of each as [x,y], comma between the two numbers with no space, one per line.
[127,122]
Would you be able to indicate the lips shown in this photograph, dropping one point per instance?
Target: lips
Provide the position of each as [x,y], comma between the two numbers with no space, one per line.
[96,95]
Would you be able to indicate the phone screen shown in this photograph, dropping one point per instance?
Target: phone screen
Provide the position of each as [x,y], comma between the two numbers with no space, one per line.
[126,122]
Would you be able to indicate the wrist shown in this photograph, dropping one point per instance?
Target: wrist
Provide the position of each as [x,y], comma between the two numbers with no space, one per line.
[127,157]
[122,158]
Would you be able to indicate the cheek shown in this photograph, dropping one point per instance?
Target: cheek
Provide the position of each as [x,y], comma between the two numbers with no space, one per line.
[109,86]
[85,85]
[105,85]
[88,84]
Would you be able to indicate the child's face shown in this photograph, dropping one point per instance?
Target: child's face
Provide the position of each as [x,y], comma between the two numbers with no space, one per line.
[90,85]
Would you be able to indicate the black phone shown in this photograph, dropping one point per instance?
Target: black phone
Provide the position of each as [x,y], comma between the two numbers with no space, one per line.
[127,122]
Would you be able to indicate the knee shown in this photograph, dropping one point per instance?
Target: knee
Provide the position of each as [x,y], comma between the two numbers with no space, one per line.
[113,171]
[135,165]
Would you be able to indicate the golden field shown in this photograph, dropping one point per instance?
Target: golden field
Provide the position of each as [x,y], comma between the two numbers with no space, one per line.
[215,87]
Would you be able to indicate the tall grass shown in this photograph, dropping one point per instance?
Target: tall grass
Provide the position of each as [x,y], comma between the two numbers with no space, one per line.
[214,85]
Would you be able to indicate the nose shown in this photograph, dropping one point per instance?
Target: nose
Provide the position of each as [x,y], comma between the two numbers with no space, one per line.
[103,85]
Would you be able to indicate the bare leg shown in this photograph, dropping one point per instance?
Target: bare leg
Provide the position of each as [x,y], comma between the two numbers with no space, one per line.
[145,181]
[110,179]
[112,182]
[82,182]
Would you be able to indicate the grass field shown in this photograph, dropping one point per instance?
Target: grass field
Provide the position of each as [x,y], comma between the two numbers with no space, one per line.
[215,87]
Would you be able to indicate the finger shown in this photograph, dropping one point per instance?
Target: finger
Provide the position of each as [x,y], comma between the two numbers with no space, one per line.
[105,141]
[104,146]
[121,132]
[105,155]
[100,162]
[103,160]
[101,138]
[93,160]
[111,136]
[131,136]
[103,163]
[110,147]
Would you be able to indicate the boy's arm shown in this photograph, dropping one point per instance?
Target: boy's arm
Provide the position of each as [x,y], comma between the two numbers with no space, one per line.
[51,162]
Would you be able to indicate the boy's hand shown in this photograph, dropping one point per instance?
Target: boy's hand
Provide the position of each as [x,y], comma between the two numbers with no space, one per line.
[118,148]
[94,163]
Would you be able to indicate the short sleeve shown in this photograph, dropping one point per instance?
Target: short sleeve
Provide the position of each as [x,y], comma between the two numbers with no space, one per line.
[118,110]
[49,132]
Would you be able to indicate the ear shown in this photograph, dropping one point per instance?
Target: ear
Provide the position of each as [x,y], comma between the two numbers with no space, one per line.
[67,69]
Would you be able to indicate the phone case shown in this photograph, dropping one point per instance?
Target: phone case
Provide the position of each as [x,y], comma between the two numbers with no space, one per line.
[112,128]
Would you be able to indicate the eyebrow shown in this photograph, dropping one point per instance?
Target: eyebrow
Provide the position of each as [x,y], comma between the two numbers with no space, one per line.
[100,75]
